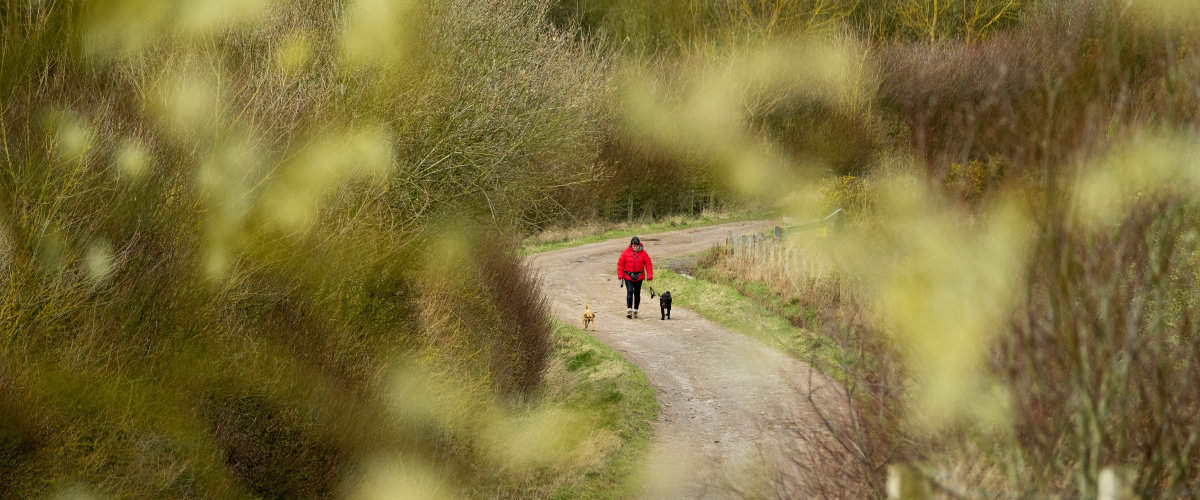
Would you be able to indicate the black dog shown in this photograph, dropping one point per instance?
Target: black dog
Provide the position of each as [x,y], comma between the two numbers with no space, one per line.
[664,303]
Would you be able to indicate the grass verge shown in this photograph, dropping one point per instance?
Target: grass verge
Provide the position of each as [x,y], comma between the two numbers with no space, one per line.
[557,238]
[617,404]
[752,310]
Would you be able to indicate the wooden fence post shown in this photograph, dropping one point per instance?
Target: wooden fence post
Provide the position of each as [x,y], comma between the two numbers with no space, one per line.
[905,482]
[1116,483]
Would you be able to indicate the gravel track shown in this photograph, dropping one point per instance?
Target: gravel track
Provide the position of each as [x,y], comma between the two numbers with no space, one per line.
[728,403]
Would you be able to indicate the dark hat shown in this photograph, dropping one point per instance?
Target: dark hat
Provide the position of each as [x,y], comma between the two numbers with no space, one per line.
[635,241]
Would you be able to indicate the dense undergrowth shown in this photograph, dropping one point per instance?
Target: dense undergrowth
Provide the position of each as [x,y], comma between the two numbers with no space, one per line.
[232,240]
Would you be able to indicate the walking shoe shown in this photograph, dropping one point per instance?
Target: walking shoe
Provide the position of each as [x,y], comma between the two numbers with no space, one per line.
[635,314]
[629,314]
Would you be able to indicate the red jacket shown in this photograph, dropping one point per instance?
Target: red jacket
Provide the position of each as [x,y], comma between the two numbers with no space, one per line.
[634,262]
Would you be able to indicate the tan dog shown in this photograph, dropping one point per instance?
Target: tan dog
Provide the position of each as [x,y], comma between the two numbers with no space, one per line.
[588,316]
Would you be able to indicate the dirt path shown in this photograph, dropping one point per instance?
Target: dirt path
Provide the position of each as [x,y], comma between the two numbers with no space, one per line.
[724,397]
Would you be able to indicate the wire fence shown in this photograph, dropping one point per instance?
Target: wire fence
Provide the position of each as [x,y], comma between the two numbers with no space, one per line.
[791,258]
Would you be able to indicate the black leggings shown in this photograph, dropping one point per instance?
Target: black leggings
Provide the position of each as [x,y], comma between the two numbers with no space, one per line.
[633,294]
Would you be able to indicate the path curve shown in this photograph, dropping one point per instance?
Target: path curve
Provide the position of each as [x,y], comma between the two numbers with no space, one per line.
[726,399]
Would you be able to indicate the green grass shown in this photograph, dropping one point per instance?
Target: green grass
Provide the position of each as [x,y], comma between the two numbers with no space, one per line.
[556,239]
[617,402]
[755,316]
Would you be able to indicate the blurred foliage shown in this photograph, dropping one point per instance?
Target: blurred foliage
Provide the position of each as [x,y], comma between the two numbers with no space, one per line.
[231,232]
[224,224]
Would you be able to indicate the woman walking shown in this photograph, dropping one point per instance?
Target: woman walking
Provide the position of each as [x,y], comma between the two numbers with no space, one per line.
[632,267]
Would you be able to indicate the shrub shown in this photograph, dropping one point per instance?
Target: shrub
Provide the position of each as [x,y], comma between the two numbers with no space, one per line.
[1109,322]
[212,232]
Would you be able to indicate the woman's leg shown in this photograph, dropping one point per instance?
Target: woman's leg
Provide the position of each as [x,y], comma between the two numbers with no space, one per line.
[636,291]
[628,296]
